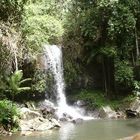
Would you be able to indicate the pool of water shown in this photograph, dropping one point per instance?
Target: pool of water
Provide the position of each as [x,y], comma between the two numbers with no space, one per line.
[88,130]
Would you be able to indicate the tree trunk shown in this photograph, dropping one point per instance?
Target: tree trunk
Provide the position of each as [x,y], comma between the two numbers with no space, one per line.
[104,76]
[137,46]
[108,74]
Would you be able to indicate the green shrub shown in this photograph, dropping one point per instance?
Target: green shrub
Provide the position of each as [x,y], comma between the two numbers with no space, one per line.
[96,99]
[15,83]
[124,73]
[42,29]
[11,10]
[41,25]
[8,115]
[39,82]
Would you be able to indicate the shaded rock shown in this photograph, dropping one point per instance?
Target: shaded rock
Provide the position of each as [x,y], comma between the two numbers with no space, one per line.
[131,113]
[107,112]
[134,110]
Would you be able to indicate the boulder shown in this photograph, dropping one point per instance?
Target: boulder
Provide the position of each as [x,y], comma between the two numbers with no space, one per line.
[27,114]
[107,112]
[134,109]
[34,120]
[38,124]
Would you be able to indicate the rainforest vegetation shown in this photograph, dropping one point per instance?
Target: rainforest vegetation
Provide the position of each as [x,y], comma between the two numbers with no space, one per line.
[100,41]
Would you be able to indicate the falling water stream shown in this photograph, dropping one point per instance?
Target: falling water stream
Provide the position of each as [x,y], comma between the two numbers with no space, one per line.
[54,61]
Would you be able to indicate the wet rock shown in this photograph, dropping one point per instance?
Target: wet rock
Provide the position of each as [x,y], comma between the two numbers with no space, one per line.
[66,117]
[107,112]
[77,121]
[134,110]
[93,113]
[47,108]
[63,119]
[80,103]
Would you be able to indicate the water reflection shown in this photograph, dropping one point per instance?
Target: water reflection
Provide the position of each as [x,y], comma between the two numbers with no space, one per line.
[66,132]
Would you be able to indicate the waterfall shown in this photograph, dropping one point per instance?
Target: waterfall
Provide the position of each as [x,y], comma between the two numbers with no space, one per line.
[54,62]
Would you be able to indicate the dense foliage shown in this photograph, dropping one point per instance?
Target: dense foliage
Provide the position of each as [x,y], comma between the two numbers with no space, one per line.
[41,24]
[11,10]
[8,115]
[107,32]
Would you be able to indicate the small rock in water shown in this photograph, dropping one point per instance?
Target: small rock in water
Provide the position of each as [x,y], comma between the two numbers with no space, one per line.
[134,109]
[80,103]
[26,133]
[131,113]
[63,119]
[77,121]
[67,116]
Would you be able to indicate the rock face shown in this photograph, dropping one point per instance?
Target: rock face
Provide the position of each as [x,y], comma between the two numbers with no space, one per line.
[134,110]
[107,113]
[34,120]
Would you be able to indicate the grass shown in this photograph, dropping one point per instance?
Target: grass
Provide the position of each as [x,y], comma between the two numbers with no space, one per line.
[96,99]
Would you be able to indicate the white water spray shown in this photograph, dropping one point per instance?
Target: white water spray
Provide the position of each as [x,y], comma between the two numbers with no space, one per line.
[53,54]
